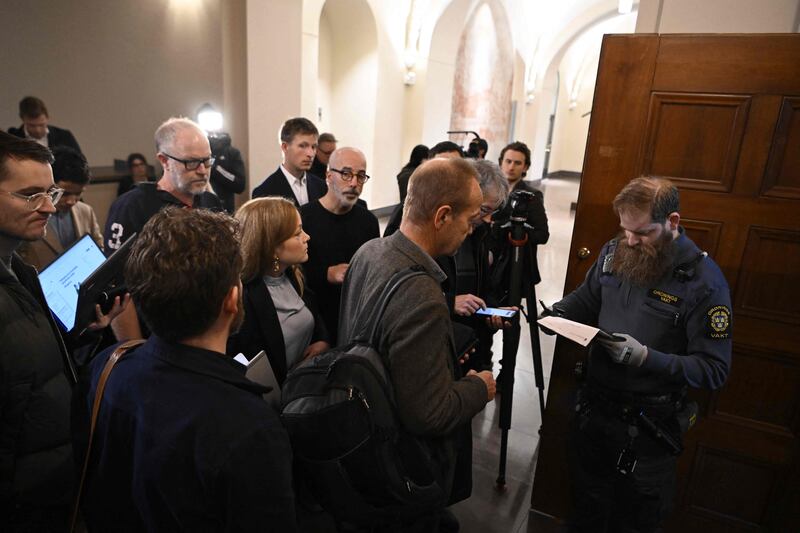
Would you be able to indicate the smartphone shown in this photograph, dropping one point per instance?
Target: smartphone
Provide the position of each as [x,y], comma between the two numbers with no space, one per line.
[609,336]
[493,311]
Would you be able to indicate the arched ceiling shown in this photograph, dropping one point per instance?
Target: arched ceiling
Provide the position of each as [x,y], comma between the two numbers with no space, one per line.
[541,31]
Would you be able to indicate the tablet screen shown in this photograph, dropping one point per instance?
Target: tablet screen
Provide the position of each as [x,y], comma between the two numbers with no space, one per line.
[62,278]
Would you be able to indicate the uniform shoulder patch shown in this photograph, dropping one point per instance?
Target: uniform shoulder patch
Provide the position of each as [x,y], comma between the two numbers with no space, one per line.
[718,322]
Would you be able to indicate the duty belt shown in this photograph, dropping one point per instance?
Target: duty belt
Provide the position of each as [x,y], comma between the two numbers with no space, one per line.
[635,398]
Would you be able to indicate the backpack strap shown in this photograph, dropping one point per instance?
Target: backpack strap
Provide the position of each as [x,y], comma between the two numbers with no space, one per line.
[397,279]
[121,350]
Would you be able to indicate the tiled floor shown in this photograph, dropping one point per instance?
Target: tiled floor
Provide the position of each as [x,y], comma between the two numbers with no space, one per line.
[488,510]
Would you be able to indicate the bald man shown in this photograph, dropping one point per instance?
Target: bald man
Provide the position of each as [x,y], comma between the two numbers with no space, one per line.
[338,225]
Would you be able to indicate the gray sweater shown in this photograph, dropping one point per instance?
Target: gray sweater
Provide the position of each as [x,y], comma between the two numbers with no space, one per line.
[415,335]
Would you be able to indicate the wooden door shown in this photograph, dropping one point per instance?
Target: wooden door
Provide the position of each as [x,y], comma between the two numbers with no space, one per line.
[720,116]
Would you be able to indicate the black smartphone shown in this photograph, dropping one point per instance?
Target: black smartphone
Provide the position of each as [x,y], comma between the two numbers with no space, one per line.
[609,336]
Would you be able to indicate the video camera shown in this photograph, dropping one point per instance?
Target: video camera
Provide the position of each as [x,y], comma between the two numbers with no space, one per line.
[515,210]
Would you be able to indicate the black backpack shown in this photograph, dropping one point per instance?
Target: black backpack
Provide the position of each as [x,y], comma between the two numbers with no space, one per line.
[348,446]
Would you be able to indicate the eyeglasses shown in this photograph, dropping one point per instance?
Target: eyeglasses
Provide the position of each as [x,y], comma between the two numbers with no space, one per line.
[348,175]
[36,201]
[488,210]
[193,164]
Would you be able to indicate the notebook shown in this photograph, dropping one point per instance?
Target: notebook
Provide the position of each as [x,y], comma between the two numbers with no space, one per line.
[260,371]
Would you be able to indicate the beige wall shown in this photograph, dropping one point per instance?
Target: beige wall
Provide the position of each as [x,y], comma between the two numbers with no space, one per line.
[234,73]
[274,68]
[718,16]
[111,71]
[353,75]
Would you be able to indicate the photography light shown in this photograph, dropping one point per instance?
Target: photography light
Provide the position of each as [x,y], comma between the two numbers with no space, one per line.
[209,118]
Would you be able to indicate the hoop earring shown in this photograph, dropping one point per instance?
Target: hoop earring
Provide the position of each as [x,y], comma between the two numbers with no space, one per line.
[276,266]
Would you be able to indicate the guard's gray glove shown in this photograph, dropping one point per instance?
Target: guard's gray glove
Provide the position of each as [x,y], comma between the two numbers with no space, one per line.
[626,352]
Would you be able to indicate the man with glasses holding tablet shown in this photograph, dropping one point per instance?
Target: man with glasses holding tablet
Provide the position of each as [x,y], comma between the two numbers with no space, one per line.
[338,225]
[185,155]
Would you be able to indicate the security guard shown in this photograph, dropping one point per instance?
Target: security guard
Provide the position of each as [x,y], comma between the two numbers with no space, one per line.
[668,305]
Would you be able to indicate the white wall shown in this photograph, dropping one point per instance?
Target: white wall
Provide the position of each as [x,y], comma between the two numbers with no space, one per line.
[324,86]
[111,71]
[353,65]
[578,73]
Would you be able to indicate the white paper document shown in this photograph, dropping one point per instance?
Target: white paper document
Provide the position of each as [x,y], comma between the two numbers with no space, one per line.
[574,331]
[260,371]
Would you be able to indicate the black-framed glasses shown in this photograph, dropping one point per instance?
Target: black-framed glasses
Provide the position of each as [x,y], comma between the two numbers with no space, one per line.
[348,175]
[193,164]
[36,201]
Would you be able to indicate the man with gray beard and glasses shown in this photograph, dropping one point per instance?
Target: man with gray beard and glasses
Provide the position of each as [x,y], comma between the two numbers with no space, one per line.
[668,305]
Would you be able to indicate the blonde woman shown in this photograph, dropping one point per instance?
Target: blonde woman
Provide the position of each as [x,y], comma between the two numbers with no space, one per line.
[280,315]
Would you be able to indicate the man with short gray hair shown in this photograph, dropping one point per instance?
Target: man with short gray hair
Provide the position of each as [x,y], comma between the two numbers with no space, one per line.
[474,285]
[182,149]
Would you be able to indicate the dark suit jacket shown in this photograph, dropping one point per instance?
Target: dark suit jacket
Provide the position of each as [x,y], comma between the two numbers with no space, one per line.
[55,137]
[261,329]
[276,184]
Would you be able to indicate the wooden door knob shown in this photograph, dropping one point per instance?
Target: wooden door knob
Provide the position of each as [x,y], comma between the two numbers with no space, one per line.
[584,252]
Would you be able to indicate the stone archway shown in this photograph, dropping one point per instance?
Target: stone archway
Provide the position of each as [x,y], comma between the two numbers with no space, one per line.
[483,76]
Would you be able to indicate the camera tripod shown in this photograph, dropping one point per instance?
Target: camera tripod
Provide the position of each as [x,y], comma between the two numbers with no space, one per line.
[517,236]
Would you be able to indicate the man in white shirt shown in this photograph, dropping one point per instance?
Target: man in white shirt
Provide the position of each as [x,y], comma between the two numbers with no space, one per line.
[298,140]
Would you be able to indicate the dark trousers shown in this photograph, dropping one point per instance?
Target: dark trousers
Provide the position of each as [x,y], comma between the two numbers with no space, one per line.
[35,518]
[605,500]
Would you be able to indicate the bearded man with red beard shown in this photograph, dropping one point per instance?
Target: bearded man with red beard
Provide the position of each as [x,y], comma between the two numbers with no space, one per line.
[668,305]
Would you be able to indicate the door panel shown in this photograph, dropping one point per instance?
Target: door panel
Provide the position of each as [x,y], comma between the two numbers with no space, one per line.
[782,178]
[720,116]
[694,140]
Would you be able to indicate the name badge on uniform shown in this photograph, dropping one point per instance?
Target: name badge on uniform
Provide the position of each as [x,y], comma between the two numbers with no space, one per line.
[665,297]
[718,322]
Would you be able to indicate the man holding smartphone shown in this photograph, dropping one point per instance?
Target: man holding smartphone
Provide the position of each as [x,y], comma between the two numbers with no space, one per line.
[669,304]
[434,400]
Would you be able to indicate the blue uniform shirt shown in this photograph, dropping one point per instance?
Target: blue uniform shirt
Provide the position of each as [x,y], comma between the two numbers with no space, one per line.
[685,322]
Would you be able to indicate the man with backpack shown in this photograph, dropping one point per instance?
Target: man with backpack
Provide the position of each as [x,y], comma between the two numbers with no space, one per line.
[434,400]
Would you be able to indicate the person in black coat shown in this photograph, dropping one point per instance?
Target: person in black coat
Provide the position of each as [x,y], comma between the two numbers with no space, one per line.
[36,370]
[418,155]
[515,160]
[228,174]
[281,317]
[36,126]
